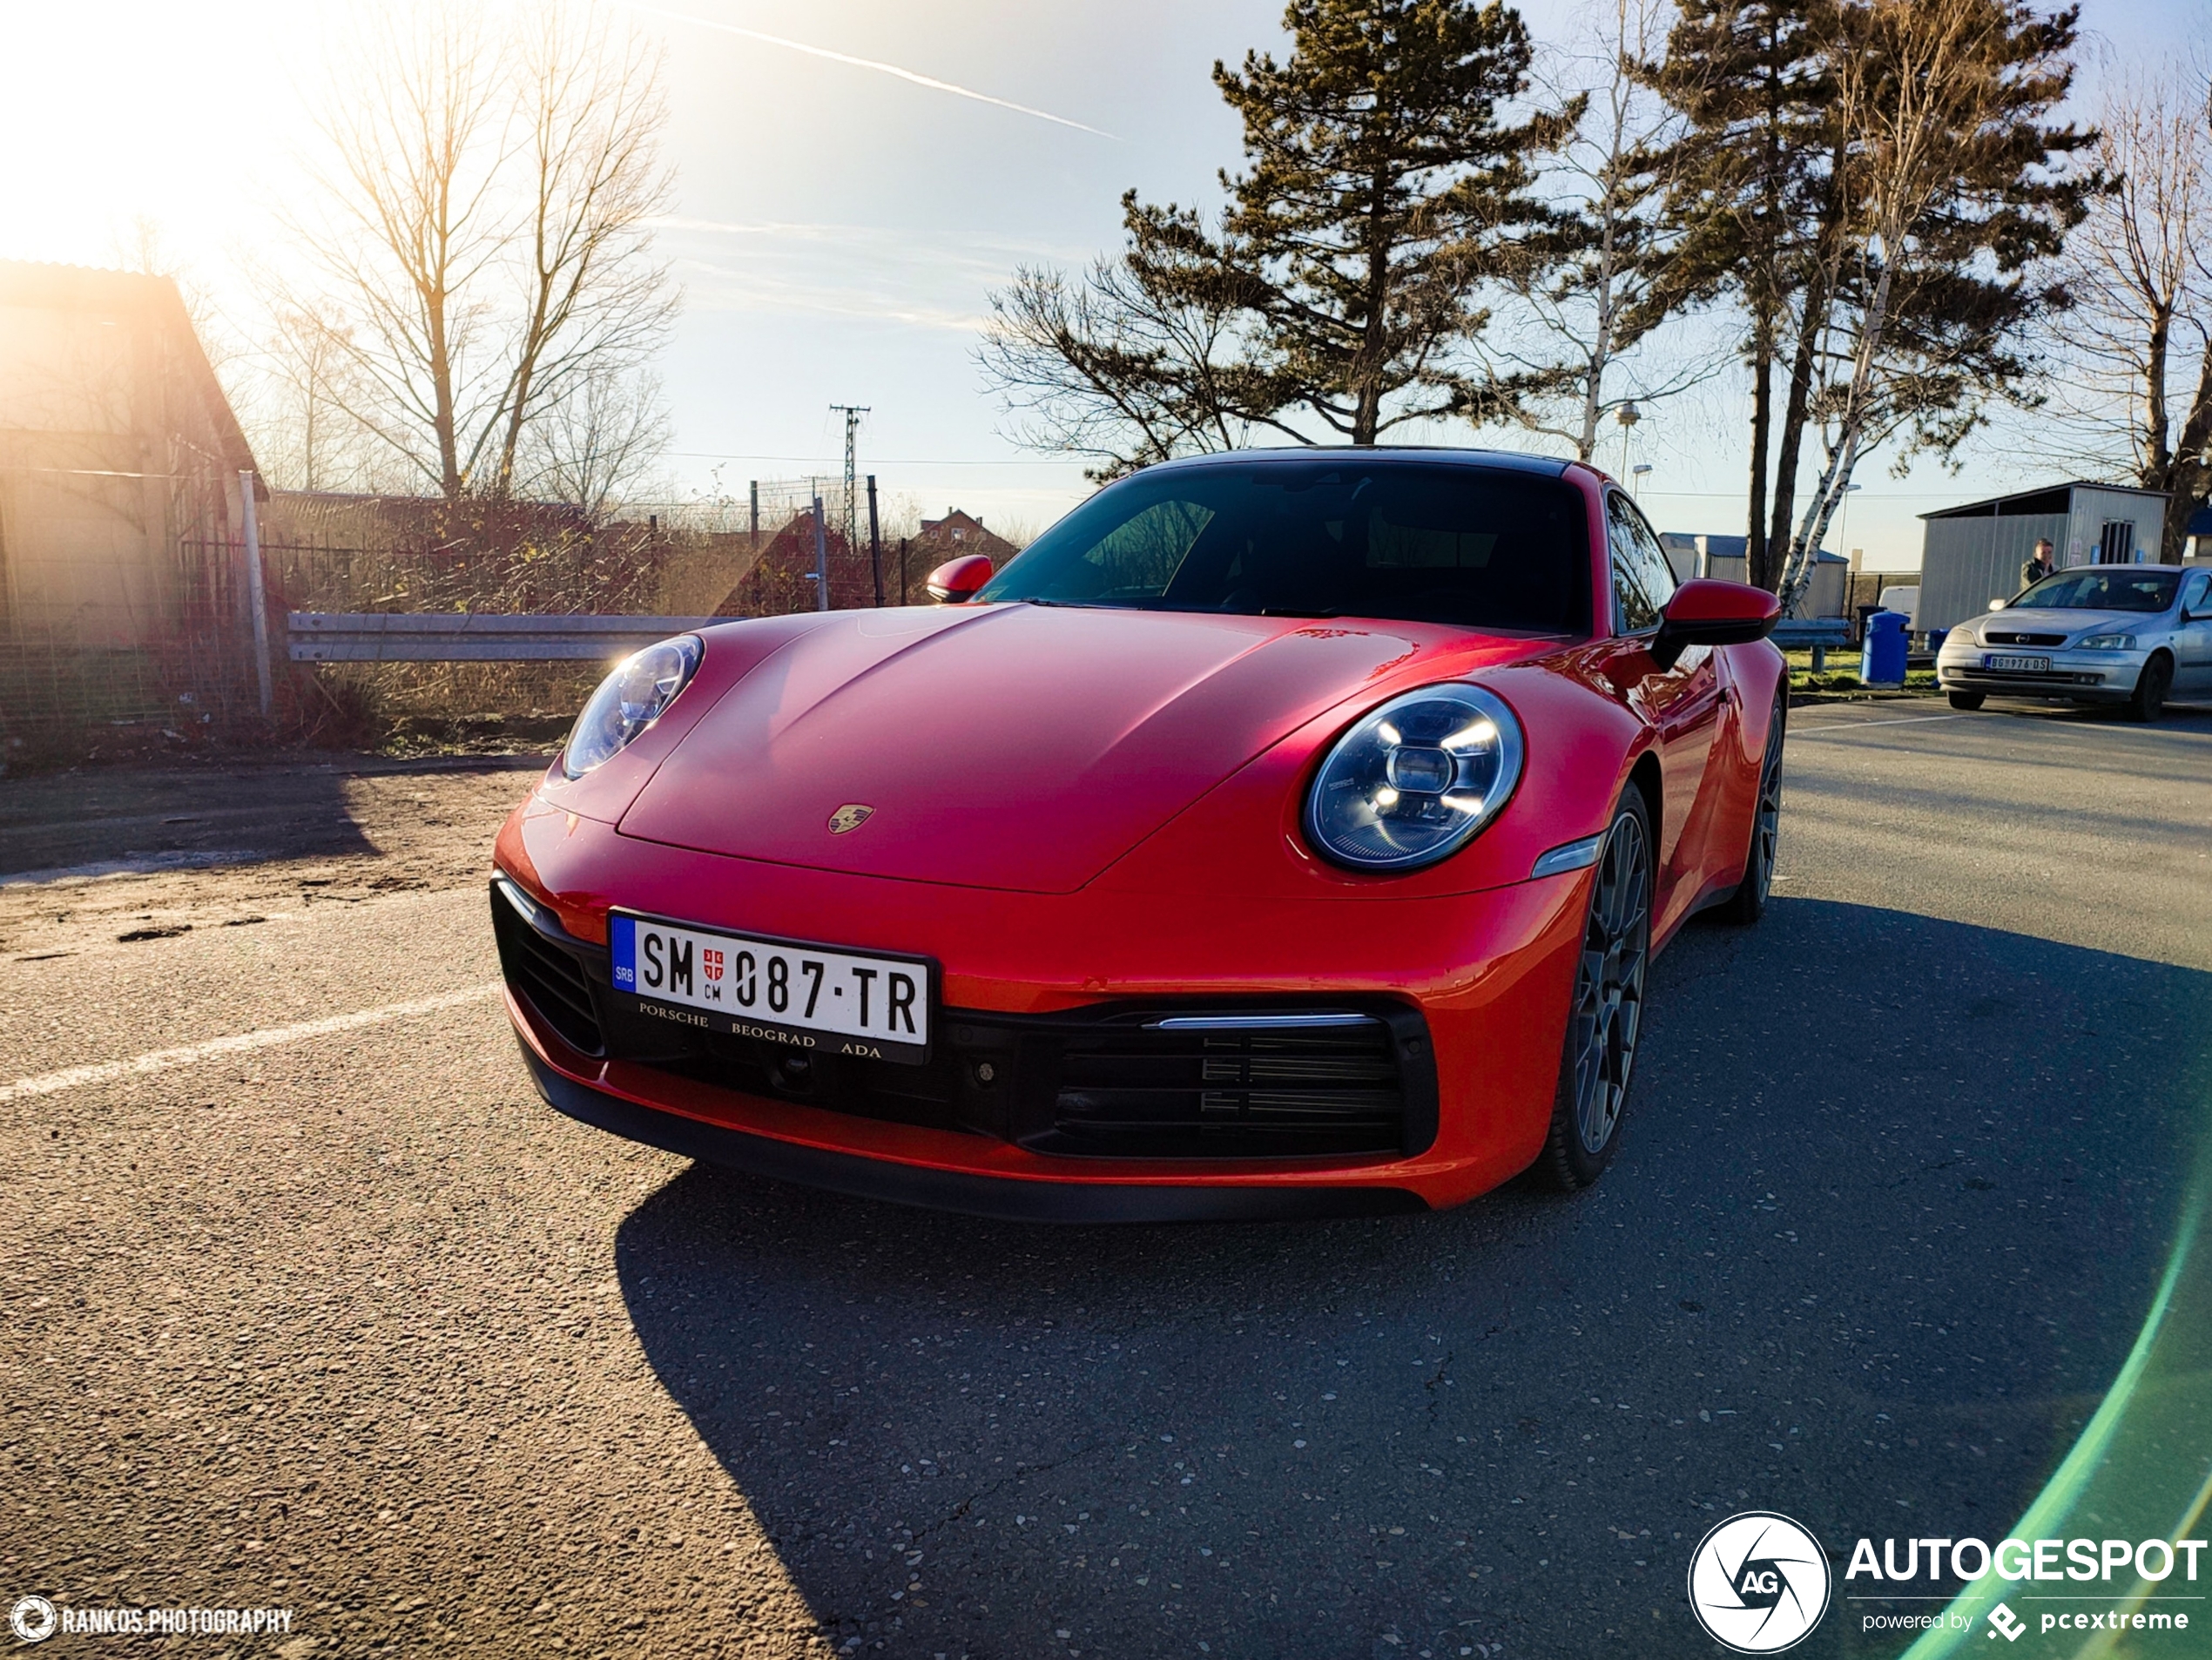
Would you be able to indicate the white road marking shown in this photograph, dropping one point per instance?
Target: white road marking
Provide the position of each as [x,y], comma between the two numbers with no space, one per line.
[1860,725]
[160,1060]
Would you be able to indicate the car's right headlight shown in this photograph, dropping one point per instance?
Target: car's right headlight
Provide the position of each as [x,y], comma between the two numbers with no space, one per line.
[2106,643]
[1962,635]
[1413,781]
[637,694]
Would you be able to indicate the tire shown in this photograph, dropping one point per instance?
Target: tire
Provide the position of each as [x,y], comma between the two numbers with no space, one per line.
[2151,687]
[1748,903]
[1967,699]
[1605,1017]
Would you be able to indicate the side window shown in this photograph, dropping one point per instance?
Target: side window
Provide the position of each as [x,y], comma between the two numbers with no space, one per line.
[1658,574]
[1635,605]
[2195,588]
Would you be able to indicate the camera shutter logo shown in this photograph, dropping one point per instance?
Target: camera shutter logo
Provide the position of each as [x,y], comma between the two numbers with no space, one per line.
[1758,1583]
[33,1619]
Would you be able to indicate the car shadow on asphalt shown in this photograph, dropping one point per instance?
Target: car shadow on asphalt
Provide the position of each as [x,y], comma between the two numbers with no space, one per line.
[138,820]
[1890,1204]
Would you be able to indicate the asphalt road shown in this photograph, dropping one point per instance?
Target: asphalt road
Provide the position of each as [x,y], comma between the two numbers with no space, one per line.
[346,1321]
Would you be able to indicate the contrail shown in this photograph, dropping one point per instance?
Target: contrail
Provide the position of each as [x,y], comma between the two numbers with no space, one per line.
[928,81]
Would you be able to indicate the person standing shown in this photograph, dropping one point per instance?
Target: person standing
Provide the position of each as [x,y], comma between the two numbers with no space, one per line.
[2040,564]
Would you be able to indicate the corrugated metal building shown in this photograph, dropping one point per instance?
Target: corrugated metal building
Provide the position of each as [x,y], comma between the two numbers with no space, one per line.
[1973,554]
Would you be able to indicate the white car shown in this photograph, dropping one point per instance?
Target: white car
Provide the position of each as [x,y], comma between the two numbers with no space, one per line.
[2113,634]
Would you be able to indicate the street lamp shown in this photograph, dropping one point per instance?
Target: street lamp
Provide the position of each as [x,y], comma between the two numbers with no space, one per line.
[1636,473]
[1628,415]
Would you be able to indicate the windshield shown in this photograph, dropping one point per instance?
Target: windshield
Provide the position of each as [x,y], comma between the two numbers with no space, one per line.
[1410,541]
[2144,590]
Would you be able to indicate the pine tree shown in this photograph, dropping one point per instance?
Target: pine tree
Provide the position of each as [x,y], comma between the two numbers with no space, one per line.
[1384,189]
[1751,197]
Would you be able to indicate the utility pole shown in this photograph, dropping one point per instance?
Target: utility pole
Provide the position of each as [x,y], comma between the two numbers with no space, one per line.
[851,412]
[875,544]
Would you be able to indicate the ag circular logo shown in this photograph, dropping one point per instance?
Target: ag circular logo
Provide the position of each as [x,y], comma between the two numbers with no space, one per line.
[33,1619]
[1758,1583]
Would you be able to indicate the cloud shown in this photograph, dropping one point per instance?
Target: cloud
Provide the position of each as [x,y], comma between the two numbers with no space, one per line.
[929,81]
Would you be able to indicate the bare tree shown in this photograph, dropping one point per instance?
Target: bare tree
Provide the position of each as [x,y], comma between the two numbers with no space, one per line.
[1598,291]
[2139,345]
[602,436]
[1120,367]
[598,303]
[483,244]
[1951,195]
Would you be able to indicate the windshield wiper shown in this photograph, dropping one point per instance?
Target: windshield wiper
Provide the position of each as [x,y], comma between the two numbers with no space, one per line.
[1315,616]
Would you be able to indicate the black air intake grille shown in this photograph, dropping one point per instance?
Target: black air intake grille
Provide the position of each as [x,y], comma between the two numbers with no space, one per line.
[551,979]
[1149,1092]
[1991,637]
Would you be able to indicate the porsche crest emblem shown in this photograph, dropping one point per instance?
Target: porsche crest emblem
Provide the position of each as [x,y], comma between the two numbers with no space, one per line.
[850,816]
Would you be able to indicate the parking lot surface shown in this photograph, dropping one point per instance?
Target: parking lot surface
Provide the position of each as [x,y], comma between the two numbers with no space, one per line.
[320,1307]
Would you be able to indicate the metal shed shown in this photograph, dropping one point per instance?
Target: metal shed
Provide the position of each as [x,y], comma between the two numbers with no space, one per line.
[1973,554]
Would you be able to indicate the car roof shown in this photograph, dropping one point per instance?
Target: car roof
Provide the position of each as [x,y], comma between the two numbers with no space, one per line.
[1495,460]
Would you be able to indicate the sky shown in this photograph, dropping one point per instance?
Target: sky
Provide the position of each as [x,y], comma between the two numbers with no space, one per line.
[840,222]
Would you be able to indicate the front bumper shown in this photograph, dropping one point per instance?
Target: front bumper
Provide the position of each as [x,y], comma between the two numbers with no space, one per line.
[1468,995]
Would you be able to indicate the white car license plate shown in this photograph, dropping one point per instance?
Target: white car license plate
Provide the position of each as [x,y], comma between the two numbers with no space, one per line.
[2018,664]
[836,1002]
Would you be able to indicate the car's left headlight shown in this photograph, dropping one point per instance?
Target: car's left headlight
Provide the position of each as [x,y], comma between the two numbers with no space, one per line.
[1962,635]
[1414,780]
[2106,643]
[637,694]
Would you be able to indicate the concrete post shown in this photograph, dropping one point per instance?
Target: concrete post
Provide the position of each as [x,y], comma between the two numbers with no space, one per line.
[821,559]
[257,597]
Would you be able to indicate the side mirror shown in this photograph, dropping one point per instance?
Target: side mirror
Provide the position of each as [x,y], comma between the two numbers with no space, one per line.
[1996,604]
[1707,612]
[959,580]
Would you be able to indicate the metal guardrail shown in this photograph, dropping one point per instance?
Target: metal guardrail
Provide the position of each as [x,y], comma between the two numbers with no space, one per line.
[463,637]
[1821,633]
[1820,630]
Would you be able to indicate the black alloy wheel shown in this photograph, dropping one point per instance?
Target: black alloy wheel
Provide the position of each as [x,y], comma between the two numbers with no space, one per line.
[1606,1019]
[2151,688]
[1748,903]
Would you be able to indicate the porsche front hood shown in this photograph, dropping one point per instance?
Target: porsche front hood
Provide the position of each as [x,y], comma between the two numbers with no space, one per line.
[1015,746]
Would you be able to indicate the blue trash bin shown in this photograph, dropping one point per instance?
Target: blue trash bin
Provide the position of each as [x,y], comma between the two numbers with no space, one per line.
[1881,660]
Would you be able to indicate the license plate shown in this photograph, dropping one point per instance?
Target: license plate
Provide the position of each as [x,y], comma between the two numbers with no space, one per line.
[2019,664]
[803,996]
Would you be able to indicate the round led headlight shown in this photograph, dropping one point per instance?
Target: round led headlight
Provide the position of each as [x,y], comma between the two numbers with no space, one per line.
[629,700]
[1414,780]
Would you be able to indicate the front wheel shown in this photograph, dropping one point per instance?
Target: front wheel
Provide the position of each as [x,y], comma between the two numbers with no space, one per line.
[1969,700]
[2151,687]
[1606,1018]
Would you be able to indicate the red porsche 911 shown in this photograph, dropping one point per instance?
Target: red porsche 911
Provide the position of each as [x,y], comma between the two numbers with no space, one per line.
[1282,834]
